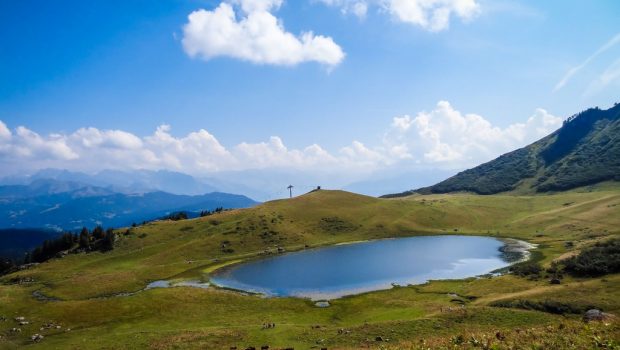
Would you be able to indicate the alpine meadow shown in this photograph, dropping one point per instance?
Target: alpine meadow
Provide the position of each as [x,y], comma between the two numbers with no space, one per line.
[322,174]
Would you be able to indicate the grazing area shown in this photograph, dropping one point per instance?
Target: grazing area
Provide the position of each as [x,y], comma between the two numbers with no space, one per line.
[98,299]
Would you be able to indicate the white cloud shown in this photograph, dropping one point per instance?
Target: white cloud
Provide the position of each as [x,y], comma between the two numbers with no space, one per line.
[443,137]
[249,6]
[431,15]
[5,133]
[357,7]
[92,137]
[574,70]
[256,36]
[29,144]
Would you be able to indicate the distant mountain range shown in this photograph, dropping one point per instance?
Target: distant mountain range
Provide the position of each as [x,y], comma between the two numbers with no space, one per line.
[137,181]
[69,205]
[584,151]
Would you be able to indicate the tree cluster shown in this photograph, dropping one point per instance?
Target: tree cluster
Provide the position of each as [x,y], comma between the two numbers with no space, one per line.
[211,212]
[97,240]
[177,216]
[6,265]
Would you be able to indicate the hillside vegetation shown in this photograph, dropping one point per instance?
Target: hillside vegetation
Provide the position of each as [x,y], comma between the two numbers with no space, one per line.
[101,296]
[584,151]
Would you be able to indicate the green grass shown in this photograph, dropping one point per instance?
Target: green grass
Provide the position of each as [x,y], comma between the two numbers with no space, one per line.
[213,318]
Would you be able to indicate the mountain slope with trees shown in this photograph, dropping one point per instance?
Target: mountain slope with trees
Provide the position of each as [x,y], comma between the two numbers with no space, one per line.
[90,206]
[584,151]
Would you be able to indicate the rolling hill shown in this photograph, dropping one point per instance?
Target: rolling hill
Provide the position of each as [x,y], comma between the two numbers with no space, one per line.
[101,298]
[584,151]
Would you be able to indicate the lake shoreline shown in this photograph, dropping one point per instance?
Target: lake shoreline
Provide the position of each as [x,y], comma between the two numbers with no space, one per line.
[511,246]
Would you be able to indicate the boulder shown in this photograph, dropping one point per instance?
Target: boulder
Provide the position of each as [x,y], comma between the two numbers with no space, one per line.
[36,338]
[596,315]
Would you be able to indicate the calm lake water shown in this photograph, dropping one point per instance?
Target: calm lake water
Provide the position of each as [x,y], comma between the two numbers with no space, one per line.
[336,271]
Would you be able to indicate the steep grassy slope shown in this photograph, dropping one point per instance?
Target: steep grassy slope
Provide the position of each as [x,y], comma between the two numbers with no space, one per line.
[584,151]
[90,289]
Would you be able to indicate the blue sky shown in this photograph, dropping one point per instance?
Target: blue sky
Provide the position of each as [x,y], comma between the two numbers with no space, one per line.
[387,91]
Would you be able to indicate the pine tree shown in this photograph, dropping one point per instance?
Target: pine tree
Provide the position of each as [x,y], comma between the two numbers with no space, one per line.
[108,240]
[98,233]
[84,239]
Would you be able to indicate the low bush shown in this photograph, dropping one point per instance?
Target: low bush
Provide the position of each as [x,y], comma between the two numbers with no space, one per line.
[601,259]
[549,306]
[526,269]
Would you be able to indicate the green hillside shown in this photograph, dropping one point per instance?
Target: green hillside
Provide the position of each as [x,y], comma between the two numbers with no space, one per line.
[100,296]
[584,151]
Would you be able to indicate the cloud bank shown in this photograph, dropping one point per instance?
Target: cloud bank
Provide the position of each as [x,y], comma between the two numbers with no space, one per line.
[443,137]
[247,30]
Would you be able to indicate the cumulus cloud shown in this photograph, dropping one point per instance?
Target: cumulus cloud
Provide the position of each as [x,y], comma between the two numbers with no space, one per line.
[443,137]
[92,137]
[432,15]
[247,30]
[28,144]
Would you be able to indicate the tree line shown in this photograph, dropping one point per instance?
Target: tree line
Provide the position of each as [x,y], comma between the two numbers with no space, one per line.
[96,240]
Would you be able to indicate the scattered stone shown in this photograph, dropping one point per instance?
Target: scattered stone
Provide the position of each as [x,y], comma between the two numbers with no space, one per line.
[50,325]
[16,330]
[27,266]
[20,318]
[378,338]
[36,338]
[23,323]
[500,336]
[269,325]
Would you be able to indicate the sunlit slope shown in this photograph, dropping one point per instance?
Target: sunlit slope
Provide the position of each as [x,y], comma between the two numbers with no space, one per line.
[584,151]
[164,249]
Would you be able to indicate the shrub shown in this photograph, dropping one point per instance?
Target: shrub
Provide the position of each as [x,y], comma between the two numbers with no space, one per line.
[601,259]
[526,269]
[550,306]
